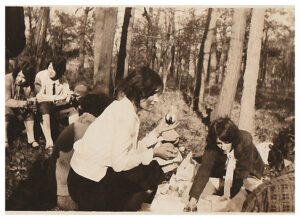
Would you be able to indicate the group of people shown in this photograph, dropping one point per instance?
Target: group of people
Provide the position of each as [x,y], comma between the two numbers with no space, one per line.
[98,164]
[27,91]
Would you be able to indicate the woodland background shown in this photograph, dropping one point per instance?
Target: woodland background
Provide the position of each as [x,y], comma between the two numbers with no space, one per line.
[214,62]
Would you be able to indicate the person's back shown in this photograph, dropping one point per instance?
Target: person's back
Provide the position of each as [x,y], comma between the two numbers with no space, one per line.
[63,148]
[276,195]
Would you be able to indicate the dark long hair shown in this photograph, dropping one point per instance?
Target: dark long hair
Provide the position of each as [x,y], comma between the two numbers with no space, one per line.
[94,104]
[225,130]
[139,84]
[28,69]
[59,65]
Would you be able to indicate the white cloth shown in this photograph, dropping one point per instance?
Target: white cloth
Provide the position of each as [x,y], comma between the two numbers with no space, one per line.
[46,92]
[231,162]
[111,141]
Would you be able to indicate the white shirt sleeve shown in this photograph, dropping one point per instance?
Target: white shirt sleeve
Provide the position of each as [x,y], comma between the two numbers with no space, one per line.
[148,141]
[125,154]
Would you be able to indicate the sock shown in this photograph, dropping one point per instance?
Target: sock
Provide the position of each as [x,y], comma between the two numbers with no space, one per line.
[29,131]
[47,130]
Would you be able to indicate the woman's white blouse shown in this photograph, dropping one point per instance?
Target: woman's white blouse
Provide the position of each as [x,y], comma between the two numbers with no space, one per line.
[111,141]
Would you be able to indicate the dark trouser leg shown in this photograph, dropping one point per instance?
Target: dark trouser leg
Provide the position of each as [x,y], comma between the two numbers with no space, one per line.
[130,186]
[117,191]
[143,176]
[89,195]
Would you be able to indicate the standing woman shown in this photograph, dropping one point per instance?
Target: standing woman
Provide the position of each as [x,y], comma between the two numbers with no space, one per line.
[110,170]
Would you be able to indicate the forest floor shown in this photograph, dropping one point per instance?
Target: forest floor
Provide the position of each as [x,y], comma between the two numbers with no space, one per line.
[269,118]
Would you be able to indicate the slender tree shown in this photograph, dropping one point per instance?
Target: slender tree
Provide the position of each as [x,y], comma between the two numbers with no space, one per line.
[40,36]
[105,26]
[122,51]
[129,39]
[82,39]
[213,66]
[200,63]
[247,114]
[207,47]
[229,86]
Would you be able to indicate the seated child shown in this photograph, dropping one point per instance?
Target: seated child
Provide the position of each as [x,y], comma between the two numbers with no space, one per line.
[19,97]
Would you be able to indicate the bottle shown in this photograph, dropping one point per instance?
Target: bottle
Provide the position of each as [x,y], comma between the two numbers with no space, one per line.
[170,117]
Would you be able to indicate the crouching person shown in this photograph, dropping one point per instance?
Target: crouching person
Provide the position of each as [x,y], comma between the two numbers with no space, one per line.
[110,170]
[225,141]
[90,107]
[19,98]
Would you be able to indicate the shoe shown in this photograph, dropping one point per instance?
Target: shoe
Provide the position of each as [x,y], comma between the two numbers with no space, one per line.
[219,191]
[33,144]
[189,209]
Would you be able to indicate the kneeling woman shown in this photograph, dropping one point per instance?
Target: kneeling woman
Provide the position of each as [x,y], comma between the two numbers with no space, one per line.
[110,171]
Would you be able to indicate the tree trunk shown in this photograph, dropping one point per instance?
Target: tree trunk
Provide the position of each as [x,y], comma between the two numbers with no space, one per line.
[129,39]
[199,74]
[247,114]
[105,26]
[122,51]
[207,47]
[213,66]
[31,33]
[223,60]
[40,36]
[264,58]
[229,86]
[168,42]
[82,41]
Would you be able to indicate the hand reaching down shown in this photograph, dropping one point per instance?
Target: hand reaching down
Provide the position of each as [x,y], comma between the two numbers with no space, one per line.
[165,151]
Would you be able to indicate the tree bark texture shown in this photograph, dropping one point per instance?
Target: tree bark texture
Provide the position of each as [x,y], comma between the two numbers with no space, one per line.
[105,26]
[122,51]
[199,74]
[40,36]
[207,48]
[82,40]
[129,39]
[247,114]
[229,86]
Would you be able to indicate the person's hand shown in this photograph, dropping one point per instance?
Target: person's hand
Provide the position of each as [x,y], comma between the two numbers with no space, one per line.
[163,126]
[166,151]
[61,97]
[32,99]
[40,97]
[191,206]
[69,97]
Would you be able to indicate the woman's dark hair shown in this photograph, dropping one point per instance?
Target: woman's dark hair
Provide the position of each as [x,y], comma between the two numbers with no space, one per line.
[94,104]
[140,84]
[28,69]
[59,65]
[224,129]
[283,147]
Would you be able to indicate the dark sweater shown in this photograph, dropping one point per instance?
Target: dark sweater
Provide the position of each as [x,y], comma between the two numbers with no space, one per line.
[248,162]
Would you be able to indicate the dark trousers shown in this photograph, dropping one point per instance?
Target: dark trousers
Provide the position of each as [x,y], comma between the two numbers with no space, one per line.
[116,191]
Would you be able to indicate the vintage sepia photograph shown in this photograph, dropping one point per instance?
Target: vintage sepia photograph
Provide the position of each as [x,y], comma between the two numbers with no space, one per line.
[150,109]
